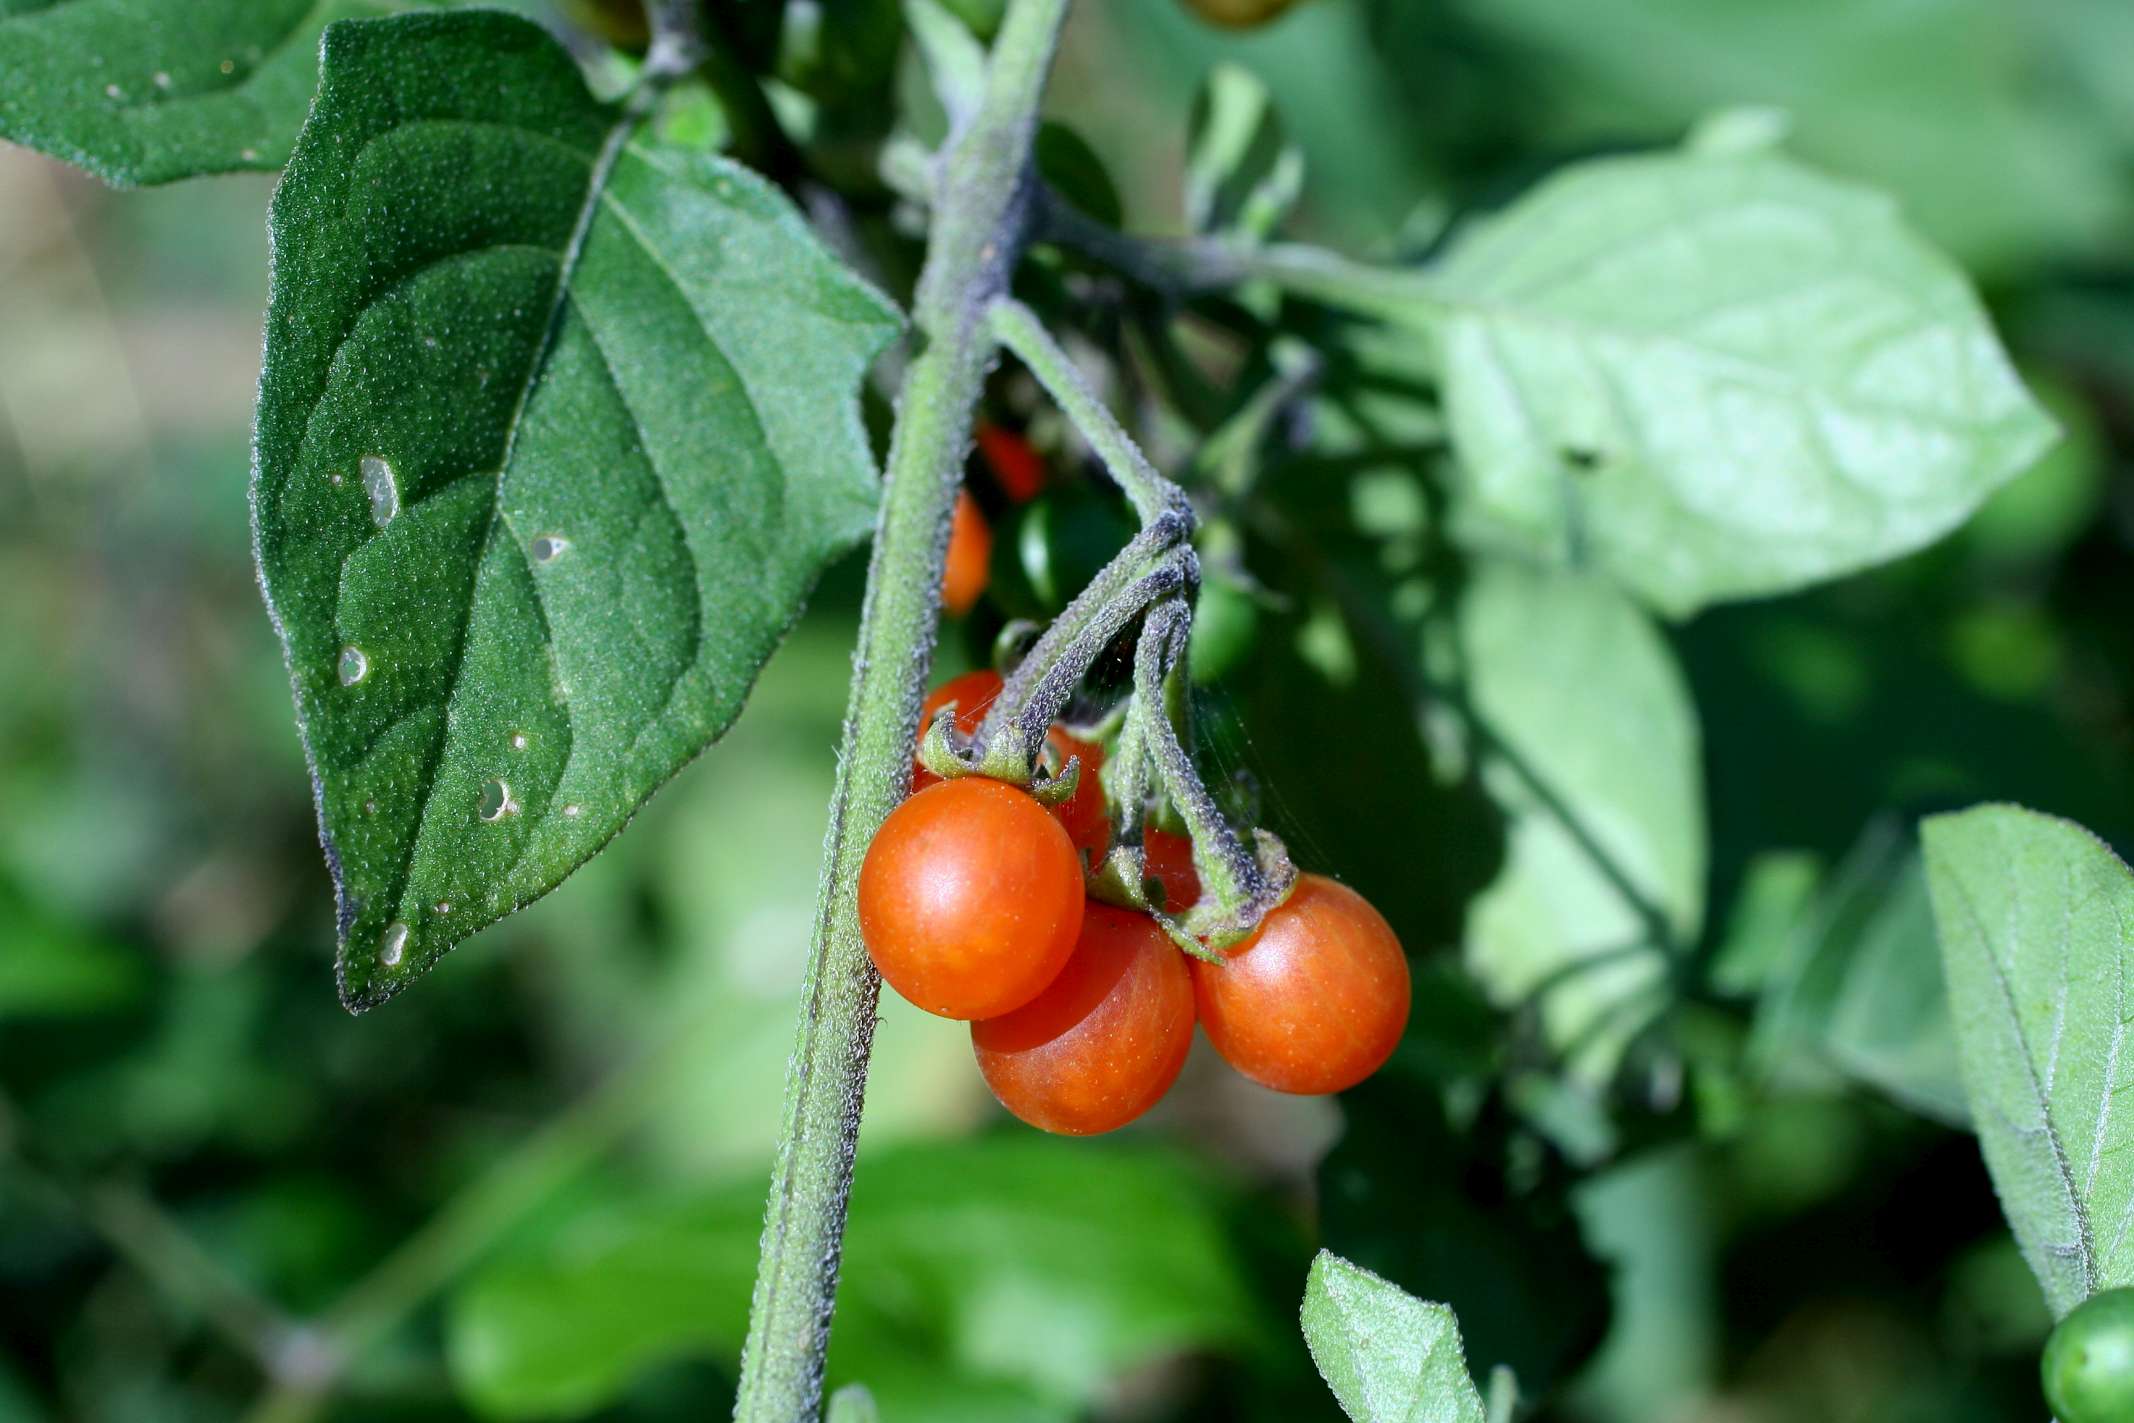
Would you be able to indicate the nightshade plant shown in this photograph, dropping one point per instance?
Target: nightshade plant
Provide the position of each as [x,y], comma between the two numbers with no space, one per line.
[563,411]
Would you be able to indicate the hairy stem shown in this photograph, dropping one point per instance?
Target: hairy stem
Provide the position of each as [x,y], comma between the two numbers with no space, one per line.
[980,214]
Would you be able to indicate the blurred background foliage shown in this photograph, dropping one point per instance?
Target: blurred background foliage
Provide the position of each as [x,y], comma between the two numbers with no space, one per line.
[1721,1175]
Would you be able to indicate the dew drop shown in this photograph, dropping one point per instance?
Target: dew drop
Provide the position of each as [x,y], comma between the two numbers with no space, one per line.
[573,811]
[111,91]
[443,906]
[496,801]
[393,944]
[162,79]
[337,479]
[249,155]
[520,741]
[355,666]
[228,66]
[547,548]
[429,343]
[384,490]
[370,807]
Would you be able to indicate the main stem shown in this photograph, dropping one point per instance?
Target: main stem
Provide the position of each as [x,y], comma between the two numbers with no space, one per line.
[980,213]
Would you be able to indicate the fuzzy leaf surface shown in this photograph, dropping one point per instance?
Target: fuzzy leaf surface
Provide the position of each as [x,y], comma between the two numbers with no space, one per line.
[2036,917]
[1388,1356]
[556,431]
[147,91]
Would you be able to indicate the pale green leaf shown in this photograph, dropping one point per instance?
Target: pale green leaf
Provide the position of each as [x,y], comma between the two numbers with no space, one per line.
[1918,96]
[2037,932]
[145,91]
[1717,376]
[1388,1356]
[852,1404]
[1588,742]
[556,431]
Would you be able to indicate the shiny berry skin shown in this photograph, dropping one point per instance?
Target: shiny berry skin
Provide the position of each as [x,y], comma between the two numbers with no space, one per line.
[970,556]
[1315,1000]
[1105,1041]
[2089,1361]
[970,898]
[1017,467]
[1168,860]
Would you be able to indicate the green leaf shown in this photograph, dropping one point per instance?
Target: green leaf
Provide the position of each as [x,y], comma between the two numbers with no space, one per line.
[147,91]
[1860,987]
[1718,376]
[1920,97]
[1588,743]
[556,431]
[1240,173]
[1388,1356]
[2037,931]
[1002,1279]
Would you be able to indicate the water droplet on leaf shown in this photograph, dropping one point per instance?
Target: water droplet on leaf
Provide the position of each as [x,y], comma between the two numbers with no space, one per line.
[393,944]
[355,666]
[549,547]
[496,801]
[573,811]
[520,741]
[383,488]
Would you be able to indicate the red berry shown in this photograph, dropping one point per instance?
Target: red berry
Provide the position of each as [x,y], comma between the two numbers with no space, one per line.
[970,556]
[1315,1000]
[1105,1041]
[1017,467]
[970,898]
[1168,859]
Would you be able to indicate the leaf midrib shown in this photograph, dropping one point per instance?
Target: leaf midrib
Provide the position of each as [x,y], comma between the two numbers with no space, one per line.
[596,184]
[2085,1240]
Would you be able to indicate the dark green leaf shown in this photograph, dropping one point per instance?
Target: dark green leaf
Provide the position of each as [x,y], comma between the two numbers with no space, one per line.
[556,430]
[145,91]
[1006,1278]
[1718,376]
[1441,1209]
[1388,1356]
[2037,930]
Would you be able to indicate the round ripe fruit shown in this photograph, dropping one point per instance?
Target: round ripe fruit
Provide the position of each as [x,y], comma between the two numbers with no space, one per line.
[970,553]
[1083,812]
[2089,1361]
[1168,860]
[1105,1041]
[970,898]
[1315,1000]
[1017,467]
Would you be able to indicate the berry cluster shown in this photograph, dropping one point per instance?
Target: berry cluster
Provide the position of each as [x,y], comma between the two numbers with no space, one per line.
[973,906]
